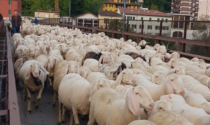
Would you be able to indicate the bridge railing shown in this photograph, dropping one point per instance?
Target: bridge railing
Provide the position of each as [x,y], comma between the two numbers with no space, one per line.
[9,109]
[179,33]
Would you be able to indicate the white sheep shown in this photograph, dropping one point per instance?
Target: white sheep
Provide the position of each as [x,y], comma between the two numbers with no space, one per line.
[141,122]
[92,64]
[196,116]
[33,75]
[76,101]
[109,107]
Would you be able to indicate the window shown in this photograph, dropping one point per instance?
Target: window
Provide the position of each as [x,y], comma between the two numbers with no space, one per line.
[150,19]
[133,18]
[166,20]
[149,33]
[46,16]
[142,18]
[53,15]
[9,12]
[10,2]
[134,26]
[162,19]
[38,14]
[157,27]
[110,5]
[149,27]
[141,26]
[158,19]
[105,5]
[106,20]
[125,17]
[118,1]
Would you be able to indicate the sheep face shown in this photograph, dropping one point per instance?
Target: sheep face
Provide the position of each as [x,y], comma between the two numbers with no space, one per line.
[128,77]
[51,62]
[174,85]
[158,78]
[142,43]
[194,59]
[161,106]
[143,97]
[162,49]
[84,71]
[202,65]
[156,46]
[180,70]
[107,57]
[173,62]
[175,55]
[31,52]
[73,67]
[35,70]
[64,48]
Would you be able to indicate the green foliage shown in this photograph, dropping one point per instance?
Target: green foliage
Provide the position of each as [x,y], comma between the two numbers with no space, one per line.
[154,7]
[64,7]
[201,33]
[162,5]
[92,6]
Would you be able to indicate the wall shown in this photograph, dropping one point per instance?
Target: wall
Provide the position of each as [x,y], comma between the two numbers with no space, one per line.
[46,15]
[5,7]
[153,31]
[204,8]
[101,21]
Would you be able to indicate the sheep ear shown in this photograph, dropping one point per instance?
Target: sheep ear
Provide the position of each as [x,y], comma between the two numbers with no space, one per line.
[100,60]
[119,79]
[94,88]
[43,69]
[133,103]
[153,79]
[28,73]
[169,87]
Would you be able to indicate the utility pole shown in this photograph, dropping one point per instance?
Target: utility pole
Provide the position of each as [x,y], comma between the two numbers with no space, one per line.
[69,8]
[124,16]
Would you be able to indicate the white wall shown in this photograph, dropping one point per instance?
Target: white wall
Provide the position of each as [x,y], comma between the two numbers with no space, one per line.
[88,16]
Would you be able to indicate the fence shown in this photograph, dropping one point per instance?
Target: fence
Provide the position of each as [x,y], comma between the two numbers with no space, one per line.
[9,109]
[176,32]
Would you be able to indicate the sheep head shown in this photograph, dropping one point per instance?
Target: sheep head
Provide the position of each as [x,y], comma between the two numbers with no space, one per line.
[174,85]
[161,106]
[139,96]
[158,77]
[126,77]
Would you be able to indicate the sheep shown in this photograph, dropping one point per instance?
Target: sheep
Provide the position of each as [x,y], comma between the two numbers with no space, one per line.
[168,118]
[84,71]
[135,55]
[203,79]
[74,100]
[92,55]
[107,58]
[62,68]
[172,84]
[194,115]
[158,77]
[109,107]
[196,100]
[193,85]
[92,64]
[21,49]
[73,55]
[142,43]
[43,60]
[141,122]
[33,75]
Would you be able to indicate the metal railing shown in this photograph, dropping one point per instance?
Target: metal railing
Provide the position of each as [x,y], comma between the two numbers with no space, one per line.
[171,31]
[9,109]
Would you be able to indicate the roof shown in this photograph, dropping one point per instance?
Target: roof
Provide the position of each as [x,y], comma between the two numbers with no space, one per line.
[109,13]
[47,11]
[112,2]
[85,14]
[144,12]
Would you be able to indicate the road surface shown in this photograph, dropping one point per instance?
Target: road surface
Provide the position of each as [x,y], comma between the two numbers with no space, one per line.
[45,114]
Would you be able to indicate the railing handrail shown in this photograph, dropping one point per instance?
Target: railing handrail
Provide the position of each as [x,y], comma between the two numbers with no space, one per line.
[13,107]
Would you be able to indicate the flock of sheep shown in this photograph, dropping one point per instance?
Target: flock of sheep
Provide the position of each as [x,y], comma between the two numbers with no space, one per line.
[116,82]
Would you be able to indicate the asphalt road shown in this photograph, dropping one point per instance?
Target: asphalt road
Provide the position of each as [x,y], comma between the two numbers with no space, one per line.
[45,114]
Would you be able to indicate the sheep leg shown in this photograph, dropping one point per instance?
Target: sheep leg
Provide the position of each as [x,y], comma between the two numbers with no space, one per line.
[59,113]
[54,98]
[50,81]
[17,82]
[35,97]
[71,118]
[24,94]
[39,97]
[29,99]
[63,114]
[75,114]
[92,119]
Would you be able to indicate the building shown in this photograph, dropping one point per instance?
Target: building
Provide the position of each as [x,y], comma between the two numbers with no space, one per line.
[105,16]
[151,21]
[194,8]
[113,5]
[87,19]
[7,7]
[40,14]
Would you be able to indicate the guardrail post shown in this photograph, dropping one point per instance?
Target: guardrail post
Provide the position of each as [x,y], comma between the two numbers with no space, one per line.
[142,27]
[180,47]
[106,23]
[185,35]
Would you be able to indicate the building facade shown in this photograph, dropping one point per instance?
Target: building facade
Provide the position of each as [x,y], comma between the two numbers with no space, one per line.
[105,16]
[40,14]
[7,7]
[151,21]
[113,5]
[194,8]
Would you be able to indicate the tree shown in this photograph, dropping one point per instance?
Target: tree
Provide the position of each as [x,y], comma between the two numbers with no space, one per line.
[154,7]
[64,7]
[92,6]
[201,33]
